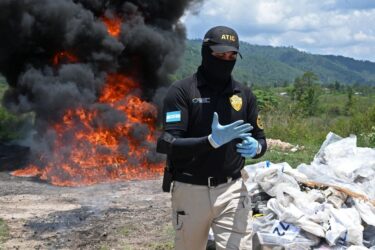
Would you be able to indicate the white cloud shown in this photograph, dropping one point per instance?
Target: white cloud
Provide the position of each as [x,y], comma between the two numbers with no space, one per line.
[308,40]
[319,26]
[270,13]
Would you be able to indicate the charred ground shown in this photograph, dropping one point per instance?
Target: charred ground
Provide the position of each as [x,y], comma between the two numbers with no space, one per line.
[124,215]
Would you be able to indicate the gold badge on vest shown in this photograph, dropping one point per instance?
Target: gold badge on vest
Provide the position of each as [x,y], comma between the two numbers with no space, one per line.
[259,122]
[236,102]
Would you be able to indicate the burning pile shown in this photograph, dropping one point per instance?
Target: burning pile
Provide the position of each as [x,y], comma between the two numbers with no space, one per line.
[89,70]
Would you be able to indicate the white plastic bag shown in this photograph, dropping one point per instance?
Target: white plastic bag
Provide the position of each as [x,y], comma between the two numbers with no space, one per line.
[292,214]
[349,219]
[269,178]
[366,211]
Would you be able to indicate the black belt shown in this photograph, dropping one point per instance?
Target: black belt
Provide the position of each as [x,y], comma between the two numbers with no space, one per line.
[204,181]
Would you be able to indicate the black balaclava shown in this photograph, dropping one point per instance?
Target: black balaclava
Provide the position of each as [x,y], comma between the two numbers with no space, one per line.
[216,72]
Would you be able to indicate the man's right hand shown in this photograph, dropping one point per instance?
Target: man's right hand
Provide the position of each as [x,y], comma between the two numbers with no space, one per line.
[221,135]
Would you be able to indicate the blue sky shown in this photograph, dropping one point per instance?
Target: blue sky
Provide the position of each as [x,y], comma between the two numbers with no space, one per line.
[335,27]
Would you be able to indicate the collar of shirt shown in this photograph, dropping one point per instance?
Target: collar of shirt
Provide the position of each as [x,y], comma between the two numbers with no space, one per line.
[230,89]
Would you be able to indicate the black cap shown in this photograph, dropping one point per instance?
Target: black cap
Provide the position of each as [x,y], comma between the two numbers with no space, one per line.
[222,39]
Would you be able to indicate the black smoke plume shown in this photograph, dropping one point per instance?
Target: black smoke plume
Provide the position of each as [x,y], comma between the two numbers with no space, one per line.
[32,32]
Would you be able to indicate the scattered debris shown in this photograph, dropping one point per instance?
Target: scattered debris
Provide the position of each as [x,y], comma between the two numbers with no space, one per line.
[329,203]
[277,144]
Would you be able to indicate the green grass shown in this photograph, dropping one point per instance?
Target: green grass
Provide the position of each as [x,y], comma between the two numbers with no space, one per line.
[283,123]
[104,248]
[161,246]
[168,239]
[128,229]
[305,155]
[4,232]
[165,241]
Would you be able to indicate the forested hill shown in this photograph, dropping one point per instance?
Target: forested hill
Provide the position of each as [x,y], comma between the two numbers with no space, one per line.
[276,65]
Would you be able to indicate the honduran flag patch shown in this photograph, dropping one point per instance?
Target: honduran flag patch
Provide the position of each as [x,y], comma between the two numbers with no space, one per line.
[174,116]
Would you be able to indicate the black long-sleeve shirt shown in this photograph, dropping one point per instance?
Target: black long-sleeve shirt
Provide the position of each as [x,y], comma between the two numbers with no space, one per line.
[188,112]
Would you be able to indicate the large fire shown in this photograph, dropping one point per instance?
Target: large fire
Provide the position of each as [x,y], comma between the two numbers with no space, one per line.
[87,153]
[87,150]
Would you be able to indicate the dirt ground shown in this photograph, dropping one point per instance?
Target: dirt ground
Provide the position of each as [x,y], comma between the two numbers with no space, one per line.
[123,215]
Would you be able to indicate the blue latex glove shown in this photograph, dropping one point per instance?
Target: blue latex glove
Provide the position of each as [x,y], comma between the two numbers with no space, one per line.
[224,134]
[248,148]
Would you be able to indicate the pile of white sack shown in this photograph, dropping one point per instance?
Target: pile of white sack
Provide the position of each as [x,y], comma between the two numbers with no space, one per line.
[329,204]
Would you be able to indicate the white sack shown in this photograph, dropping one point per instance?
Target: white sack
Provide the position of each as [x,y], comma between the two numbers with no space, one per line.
[350,219]
[366,211]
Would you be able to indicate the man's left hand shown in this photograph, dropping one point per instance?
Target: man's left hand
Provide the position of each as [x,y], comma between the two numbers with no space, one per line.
[248,148]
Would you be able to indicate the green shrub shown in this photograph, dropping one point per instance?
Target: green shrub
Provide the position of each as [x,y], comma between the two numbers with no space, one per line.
[368,139]
[305,94]
[266,100]
[11,126]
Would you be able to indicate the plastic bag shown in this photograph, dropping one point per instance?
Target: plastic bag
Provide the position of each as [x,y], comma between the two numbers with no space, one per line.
[366,211]
[292,214]
[248,174]
[345,227]
[340,163]
[269,239]
[273,176]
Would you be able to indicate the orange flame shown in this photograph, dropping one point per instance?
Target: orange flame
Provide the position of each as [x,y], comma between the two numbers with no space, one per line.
[113,25]
[30,171]
[64,56]
[89,151]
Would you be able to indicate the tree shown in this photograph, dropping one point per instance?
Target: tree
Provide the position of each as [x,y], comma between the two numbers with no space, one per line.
[305,93]
[350,101]
[266,100]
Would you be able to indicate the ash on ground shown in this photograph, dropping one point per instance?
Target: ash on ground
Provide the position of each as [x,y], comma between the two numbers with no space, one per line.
[133,214]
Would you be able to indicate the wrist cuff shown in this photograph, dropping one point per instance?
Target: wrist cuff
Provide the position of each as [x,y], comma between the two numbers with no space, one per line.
[212,142]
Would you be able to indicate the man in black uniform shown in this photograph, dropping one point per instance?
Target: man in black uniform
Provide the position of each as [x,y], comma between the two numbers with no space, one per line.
[204,156]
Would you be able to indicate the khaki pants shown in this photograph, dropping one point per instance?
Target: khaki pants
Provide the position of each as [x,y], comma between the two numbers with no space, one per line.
[225,208]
